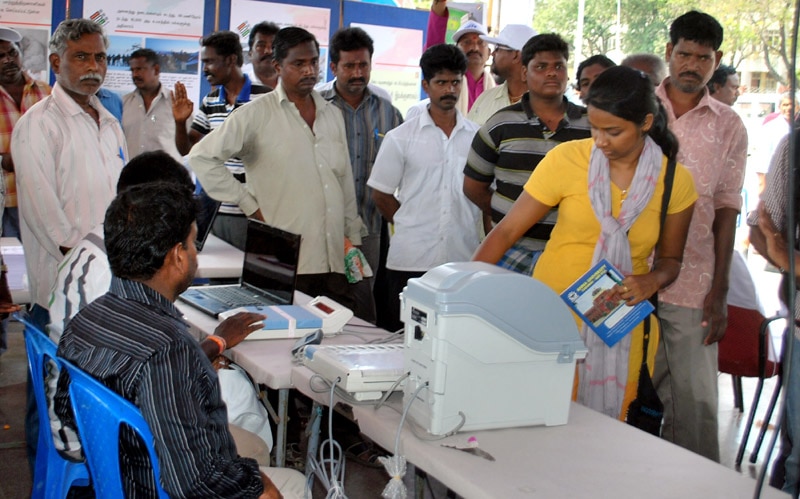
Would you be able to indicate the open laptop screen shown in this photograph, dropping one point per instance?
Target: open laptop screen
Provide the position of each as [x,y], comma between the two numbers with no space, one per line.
[205,218]
[270,262]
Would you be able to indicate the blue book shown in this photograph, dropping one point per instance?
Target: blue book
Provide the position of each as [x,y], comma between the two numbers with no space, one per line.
[593,298]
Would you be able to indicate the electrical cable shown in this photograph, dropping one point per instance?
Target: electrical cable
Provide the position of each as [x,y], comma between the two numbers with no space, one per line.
[332,479]
[791,236]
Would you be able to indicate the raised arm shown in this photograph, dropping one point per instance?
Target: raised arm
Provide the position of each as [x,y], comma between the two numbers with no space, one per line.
[182,108]
[437,23]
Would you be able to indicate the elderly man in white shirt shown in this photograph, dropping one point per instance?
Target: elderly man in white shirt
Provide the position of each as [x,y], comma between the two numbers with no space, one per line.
[422,159]
[68,152]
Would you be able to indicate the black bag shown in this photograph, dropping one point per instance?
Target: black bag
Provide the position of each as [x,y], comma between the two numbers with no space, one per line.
[647,411]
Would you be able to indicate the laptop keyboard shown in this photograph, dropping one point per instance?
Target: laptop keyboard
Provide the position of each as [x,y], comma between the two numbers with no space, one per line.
[233,297]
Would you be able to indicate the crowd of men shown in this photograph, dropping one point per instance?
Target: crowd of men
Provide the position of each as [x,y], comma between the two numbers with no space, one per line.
[334,165]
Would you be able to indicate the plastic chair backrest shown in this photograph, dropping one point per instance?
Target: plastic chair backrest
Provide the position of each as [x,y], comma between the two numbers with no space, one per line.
[53,474]
[743,350]
[100,414]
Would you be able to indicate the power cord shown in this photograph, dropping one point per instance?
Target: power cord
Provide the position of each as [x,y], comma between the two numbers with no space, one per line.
[332,478]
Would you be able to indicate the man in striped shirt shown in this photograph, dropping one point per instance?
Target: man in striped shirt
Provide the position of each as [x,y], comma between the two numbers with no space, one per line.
[512,142]
[134,341]
[367,118]
[221,55]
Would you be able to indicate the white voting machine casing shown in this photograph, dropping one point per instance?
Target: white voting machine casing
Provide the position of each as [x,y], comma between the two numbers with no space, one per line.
[365,371]
[495,345]
[296,321]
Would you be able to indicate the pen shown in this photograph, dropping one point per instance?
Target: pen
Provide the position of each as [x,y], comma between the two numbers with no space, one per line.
[121,155]
[378,135]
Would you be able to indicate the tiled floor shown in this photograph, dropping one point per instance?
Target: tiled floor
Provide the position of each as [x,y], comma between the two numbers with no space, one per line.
[360,482]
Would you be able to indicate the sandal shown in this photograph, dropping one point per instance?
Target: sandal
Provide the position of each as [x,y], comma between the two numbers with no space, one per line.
[365,454]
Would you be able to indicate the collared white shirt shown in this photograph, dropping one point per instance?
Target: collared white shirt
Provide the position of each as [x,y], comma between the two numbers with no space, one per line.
[152,129]
[67,170]
[300,178]
[435,223]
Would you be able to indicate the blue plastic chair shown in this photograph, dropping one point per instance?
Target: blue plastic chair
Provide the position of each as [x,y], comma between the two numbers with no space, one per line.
[100,414]
[53,474]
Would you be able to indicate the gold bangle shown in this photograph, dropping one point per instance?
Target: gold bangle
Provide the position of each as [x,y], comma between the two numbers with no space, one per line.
[220,341]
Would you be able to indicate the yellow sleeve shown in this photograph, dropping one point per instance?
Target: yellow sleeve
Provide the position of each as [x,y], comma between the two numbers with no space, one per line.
[547,182]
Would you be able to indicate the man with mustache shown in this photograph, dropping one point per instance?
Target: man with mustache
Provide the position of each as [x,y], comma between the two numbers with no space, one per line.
[422,159]
[514,140]
[18,93]
[261,70]
[478,78]
[294,148]
[68,152]
[147,111]
[367,118]
[693,310]
[221,56]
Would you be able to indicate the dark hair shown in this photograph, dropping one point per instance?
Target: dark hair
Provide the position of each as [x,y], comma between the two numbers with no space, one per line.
[265,28]
[149,55]
[442,57]
[225,43]
[143,223]
[288,38]
[695,26]
[547,42]
[720,76]
[629,94]
[153,166]
[348,39]
[591,61]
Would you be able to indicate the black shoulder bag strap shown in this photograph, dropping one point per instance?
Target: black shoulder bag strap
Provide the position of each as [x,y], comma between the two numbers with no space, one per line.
[669,178]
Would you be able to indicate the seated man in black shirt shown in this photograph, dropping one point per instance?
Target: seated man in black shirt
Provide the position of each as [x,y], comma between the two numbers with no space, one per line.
[134,341]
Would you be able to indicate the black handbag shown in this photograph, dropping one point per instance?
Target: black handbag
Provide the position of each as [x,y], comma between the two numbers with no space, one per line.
[646,412]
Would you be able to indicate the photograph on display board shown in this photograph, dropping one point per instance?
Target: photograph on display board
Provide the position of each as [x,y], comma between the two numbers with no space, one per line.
[32,20]
[247,13]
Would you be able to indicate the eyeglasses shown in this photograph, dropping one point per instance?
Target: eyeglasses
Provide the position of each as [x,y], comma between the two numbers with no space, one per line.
[503,47]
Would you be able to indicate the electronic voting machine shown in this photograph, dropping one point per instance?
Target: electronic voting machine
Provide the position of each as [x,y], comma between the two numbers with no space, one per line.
[497,346]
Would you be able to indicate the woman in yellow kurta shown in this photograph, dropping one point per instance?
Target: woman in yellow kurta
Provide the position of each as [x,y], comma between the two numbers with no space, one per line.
[608,190]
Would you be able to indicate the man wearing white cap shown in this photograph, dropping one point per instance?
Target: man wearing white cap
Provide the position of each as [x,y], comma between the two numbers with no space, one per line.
[477,78]
[506,63]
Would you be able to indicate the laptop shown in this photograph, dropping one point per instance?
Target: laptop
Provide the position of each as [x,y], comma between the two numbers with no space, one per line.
[269,274]
[205,218]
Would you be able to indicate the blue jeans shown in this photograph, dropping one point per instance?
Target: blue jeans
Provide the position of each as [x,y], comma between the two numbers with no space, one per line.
[40,317]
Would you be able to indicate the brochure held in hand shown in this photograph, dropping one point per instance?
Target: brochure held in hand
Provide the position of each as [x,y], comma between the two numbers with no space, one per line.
[594,299]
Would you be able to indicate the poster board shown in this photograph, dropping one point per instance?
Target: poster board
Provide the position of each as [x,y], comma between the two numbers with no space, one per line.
[316,16]
[172,28]
[399,36]
[33,20]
